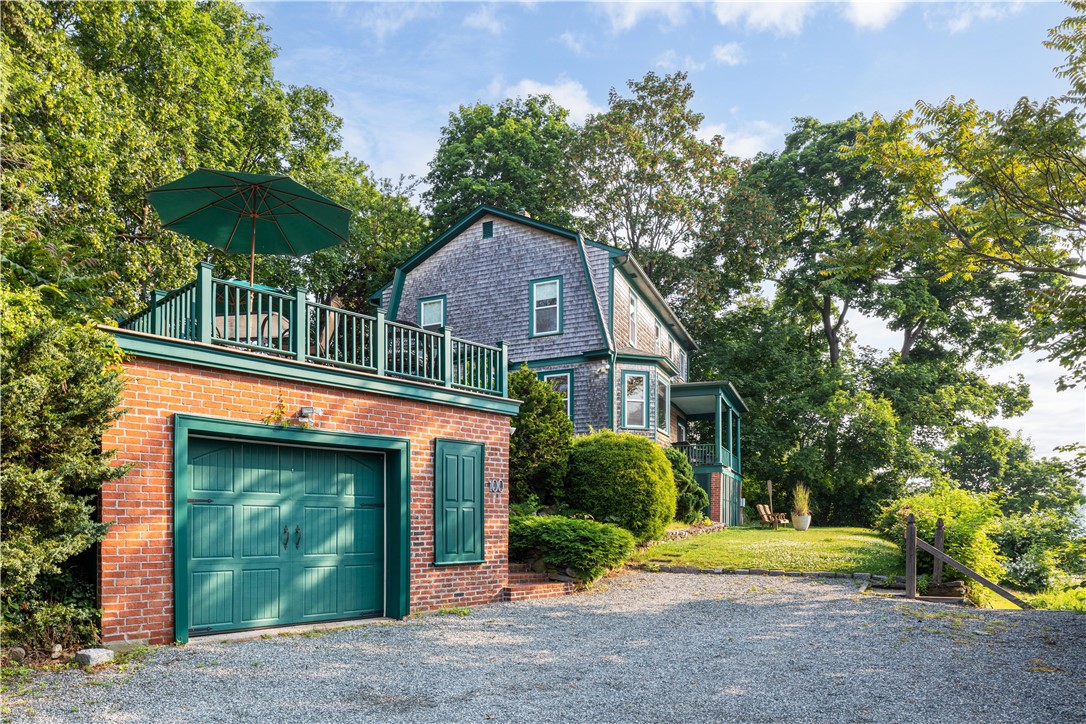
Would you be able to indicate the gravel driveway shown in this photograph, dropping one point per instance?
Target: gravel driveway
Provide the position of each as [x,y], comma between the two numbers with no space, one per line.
[640,647]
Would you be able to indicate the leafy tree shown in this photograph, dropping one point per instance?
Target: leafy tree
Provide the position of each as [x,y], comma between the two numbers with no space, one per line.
[691,499]
[61,388]
[513,155]
[539,448]
[650,184]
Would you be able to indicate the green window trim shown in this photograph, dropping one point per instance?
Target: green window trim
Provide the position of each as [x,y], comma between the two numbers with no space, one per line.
[568,374]
[663,405]
[459,536]
[488,229]
[533,310]
[424,301]
[644,424]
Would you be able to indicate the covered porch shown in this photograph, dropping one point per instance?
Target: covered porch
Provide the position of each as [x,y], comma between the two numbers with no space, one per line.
[720,404]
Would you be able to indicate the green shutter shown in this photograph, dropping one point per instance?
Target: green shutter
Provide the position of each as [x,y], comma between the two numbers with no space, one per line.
[458,499]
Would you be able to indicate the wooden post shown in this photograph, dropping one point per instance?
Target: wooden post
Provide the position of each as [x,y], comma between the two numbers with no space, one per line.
[380,343]
[446,356]
[157,317]
[910,556]
[937,570]
[205,302]
[299,325]
[503,368]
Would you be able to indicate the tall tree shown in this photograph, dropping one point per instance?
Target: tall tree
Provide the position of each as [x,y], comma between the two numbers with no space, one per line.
[650,183]
[513,155]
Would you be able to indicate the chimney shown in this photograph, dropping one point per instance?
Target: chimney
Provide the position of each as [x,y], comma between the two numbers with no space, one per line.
[524,212]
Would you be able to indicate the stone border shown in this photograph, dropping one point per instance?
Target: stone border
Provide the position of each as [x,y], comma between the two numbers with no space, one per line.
[670,536]
[882,581]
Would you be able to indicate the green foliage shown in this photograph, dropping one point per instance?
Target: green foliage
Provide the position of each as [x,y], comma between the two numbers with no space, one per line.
[586,546]
[1071,599]
[967,517]
[624,479]
[539,448]
[1033,571]
[61,387]
[1042,548]
[691,500]
[801,499]
[56,609]
[514,155]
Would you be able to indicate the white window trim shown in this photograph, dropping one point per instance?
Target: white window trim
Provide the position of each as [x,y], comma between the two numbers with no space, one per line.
[547,376]
[633,319]
[645,402]
[667,405]
[557,282]
[422,307]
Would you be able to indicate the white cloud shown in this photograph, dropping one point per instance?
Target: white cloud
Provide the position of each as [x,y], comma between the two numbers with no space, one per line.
[669,61]
[783,18]
[484,19]
[567,93]
[728,54]
[870,15]
[573,42]
[383,19]
[960,16]
[746,140]
[625,15]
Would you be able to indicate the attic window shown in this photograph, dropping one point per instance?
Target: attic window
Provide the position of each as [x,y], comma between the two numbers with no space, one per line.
[488,229]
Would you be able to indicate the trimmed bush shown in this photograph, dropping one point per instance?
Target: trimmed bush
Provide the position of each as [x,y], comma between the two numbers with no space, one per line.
[539,448]
[968,518]
[1037,544]
[588,547]
[691,499]
[624,479]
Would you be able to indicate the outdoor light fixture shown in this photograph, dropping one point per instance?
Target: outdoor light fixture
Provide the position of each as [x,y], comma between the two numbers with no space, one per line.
[602,369]
[307,414]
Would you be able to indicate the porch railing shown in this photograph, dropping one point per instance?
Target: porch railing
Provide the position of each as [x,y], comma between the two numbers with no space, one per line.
[269,321]
[708,454]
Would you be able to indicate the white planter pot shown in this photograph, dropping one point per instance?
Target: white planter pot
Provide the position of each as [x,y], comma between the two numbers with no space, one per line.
[801,522]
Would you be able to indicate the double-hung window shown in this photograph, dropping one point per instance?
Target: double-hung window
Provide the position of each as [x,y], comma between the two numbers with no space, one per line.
[546,302]
[633,319]
[663,406]
[432,312]
[659,332]
[562,382]
[635,400]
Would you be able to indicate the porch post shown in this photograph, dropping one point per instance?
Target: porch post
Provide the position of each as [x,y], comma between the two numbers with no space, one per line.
[205,302]
[717,431]
[299,325]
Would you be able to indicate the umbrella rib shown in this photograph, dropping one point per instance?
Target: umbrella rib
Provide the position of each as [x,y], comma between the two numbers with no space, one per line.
[296,210]
[205,207]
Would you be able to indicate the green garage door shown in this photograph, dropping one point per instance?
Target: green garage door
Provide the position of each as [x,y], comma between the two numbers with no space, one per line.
[281,535]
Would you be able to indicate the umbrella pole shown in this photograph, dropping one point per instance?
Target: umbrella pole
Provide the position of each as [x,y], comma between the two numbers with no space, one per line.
[252,254]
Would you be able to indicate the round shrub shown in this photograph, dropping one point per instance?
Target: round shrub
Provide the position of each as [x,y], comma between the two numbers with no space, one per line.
[588,547]
[691,499]
[624,479]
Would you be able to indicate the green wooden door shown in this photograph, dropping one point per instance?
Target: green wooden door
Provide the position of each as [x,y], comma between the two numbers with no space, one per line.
[281,535]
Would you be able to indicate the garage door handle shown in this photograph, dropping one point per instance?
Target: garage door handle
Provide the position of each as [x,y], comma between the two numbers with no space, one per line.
[286,536]
[297,536]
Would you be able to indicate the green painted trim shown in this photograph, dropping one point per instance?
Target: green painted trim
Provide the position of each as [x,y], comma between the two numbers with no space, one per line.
[397,498]
[433,298]
[660,362]
[569,375]
[375,298]
[595,297]
[568,360]
[397,291]
[708,469]
[611,392]
[532,334]
[488,229]
[648,380]
[223,359]
[612,250]
[658,305]
[727,389]
[667,405]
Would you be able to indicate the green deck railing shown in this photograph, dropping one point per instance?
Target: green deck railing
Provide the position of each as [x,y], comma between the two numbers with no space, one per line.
[269,321]
[709,454]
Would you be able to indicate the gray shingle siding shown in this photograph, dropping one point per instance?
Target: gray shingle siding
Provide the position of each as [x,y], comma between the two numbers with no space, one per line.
[599,267]
[589,394]
[486,285]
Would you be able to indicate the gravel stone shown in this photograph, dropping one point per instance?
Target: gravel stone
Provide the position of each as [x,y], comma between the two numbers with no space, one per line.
[93,657]
[639,647]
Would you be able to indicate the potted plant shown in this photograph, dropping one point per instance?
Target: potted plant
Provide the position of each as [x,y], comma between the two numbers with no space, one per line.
[801,507]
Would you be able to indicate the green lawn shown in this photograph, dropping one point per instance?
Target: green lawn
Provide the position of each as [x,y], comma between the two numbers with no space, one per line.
[840,550]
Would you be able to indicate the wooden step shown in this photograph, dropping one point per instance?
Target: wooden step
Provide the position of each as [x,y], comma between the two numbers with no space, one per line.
[531,591]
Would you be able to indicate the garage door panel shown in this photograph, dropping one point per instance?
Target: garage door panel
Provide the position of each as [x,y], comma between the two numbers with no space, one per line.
[262,531]
[212,598]
[319,532]
[361,477]
[261,596]
[362,532]
[212,467]
[319,596]
[357,593]
[259,470]
[319,473]
[212,531]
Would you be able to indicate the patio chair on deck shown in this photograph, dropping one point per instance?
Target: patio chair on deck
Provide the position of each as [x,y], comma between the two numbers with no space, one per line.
[769,517]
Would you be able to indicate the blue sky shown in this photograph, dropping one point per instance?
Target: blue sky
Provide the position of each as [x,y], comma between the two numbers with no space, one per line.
[396,71]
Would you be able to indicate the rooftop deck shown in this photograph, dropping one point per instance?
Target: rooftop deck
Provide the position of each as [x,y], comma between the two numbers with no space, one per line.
[286,325]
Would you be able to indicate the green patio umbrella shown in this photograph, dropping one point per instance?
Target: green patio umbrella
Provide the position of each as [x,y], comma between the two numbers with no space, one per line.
[250,212]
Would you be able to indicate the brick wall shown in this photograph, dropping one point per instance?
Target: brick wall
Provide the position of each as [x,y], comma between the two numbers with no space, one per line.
[136,584]
[716,500]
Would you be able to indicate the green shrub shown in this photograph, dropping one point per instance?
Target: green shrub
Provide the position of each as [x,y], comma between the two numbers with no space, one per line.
[57,609]
[588,547]
[967,516]
[1033,571]
[61,389]
[1041,548]
[539,447]
[1071,599]
[624,479]
[691,499]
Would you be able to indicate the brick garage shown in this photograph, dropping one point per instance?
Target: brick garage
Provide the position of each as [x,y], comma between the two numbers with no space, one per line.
[137,586]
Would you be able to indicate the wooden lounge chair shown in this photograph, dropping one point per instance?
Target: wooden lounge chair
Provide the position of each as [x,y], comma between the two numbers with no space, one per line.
[769,517]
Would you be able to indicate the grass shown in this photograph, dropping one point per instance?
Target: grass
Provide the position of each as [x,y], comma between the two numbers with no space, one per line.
[838,550]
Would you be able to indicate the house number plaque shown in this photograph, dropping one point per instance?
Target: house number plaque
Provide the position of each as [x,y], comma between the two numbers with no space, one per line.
[495,486]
